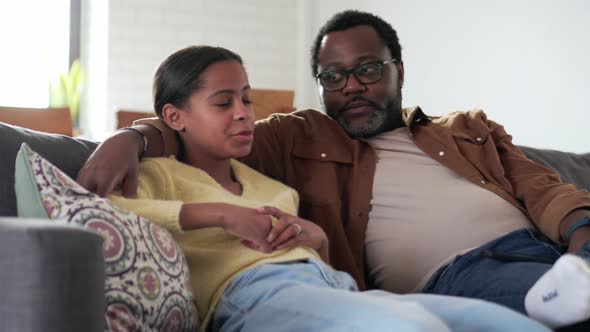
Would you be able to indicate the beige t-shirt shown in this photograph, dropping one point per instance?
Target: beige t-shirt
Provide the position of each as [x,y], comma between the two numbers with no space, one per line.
[423,215]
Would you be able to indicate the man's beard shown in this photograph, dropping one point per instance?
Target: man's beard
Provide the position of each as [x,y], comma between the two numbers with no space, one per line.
[384,119]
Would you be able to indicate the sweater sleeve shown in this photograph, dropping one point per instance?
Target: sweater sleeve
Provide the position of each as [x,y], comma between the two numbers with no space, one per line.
[155,200]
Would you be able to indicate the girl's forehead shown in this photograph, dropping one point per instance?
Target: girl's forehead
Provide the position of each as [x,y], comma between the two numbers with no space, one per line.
[224,73]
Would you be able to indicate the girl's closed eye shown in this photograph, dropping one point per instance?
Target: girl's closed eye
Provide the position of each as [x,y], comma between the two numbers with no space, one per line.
[223,103]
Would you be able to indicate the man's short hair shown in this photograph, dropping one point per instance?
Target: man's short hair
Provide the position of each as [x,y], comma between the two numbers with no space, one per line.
[352,18]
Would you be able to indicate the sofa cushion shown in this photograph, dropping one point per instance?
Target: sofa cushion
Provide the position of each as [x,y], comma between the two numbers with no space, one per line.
[65,152]
[573,168]
[146,285]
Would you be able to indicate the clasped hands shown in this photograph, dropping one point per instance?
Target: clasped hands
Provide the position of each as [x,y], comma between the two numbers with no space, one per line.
[255,229]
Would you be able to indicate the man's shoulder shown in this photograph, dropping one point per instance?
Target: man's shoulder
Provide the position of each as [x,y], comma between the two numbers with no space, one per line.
[458,117]
[470,114]
[307,122]
[473,121]
[304,116]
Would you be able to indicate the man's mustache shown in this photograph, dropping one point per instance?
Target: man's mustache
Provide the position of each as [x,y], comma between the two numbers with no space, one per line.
[358,101]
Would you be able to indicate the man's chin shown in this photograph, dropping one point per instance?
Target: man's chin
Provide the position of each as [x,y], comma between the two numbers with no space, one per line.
[359,131]
[364,129]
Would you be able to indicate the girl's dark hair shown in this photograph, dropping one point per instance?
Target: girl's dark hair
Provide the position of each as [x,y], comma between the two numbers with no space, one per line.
[179,75]
[350,19]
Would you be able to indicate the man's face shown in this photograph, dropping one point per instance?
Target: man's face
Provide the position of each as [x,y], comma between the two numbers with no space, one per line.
[363,110]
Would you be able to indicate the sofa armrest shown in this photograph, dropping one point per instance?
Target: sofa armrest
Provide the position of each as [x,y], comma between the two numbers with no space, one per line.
[51,277]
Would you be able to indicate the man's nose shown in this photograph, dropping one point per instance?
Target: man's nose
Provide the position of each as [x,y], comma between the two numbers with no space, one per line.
[353,85]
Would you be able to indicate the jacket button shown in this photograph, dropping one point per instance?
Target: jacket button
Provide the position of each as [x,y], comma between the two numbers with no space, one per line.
[323,155]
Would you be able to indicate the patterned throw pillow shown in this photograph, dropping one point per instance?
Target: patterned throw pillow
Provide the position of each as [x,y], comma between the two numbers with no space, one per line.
[147,286]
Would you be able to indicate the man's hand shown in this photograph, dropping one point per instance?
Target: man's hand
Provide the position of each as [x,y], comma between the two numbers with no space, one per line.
[113,163]
[580,236]
[291,231]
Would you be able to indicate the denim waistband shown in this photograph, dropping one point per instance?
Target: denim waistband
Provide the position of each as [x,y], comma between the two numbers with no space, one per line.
[332,278]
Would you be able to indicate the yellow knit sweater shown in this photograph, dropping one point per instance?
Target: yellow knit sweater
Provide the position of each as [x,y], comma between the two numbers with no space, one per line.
[214,257]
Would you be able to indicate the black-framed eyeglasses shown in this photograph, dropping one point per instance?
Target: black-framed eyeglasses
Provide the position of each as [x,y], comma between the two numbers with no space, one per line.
[367,73]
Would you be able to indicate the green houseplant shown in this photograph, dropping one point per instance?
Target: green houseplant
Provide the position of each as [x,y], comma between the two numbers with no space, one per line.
[65,92]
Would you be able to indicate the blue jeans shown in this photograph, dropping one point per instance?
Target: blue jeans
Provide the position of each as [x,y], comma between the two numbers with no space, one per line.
[476,275]
[309,296]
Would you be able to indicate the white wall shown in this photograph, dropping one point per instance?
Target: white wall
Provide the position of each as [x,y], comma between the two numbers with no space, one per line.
[94,55]
[136,35]
[525,62]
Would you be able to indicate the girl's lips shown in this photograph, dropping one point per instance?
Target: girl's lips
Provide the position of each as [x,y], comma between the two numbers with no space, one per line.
[244,136]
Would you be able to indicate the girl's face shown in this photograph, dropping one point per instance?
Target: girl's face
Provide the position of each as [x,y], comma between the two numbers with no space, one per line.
[218,118]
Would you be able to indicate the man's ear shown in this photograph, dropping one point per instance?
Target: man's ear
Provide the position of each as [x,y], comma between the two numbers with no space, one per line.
[401,74]
[173,117]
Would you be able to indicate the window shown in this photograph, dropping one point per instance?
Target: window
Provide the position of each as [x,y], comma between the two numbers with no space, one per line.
[35,43]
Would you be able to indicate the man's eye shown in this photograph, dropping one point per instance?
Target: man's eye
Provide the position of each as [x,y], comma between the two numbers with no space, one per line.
[367,69]
[333,76]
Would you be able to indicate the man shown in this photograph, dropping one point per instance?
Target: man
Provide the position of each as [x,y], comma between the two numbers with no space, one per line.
[443,205]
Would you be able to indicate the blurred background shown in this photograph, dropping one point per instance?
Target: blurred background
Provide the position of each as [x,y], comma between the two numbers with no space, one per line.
[525,62]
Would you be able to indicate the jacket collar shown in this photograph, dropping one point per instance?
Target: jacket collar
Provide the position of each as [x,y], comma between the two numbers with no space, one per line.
[413,115]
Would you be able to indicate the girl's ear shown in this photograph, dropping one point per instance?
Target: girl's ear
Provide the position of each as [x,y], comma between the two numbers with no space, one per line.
[173,117]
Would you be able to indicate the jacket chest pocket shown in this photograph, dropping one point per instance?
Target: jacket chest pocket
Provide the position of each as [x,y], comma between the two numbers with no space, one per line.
[472,144]
[480,150]
[321,170]
[476,138]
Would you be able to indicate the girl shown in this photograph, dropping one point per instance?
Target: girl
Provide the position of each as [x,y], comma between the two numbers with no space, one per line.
[256,266]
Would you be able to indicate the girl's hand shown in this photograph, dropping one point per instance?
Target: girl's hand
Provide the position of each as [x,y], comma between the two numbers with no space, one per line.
[250,225]
[291,231]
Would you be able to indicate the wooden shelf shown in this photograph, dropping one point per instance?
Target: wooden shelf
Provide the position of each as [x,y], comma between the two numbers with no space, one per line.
[265,103]
[50,120]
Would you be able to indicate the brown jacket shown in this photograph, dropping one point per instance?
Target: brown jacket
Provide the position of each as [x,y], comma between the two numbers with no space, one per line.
[333,172]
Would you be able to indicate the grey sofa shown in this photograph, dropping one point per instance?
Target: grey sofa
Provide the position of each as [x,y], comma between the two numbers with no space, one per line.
[42,293]
[51,275]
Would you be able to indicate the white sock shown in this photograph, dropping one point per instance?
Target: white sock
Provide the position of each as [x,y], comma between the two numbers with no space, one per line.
[562,295]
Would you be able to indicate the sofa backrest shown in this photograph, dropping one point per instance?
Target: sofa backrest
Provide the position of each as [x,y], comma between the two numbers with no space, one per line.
[65,152]
[69,155]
